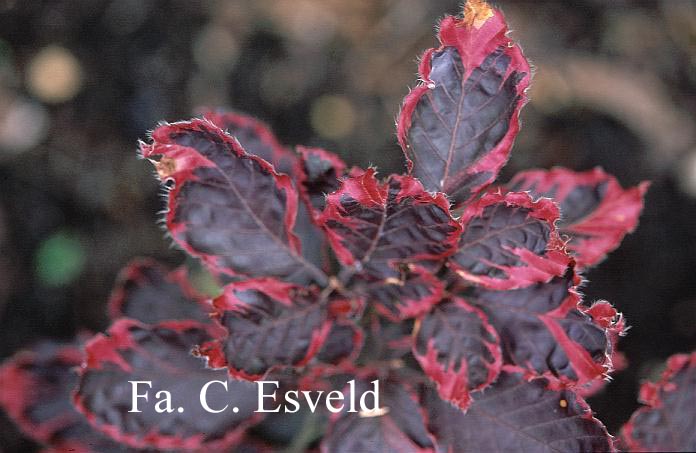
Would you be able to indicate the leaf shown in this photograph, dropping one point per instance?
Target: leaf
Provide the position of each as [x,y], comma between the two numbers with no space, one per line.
[666,422]
[596,213]
[36,393]
[544,329]
[132,351]
[389,341]
[457,127]
[458,349]
[405,292]
[227,207]
[343,343]
[509,241]
[372,226]
[255,137]
[605,315]
[147,292]
[270,325]
[516,415]
[255,445]
[398,428]
[318,174]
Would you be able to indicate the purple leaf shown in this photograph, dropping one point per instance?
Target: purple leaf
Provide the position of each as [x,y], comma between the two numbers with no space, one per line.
[458,126]
[36,393]
[666,422]
[458,349]
[343,343]
[517,415]
[398,428]
[132,351]
[596,213]
[318,174]
[255,137]
[509,241]
[227,207]
[372,226]
[408,291]
[269,325]
[546,331]
[147,292]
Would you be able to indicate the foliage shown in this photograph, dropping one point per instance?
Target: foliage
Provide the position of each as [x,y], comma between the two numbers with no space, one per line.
[460,296]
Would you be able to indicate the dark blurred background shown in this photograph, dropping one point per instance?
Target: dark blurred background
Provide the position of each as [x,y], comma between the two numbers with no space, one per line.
[82,80]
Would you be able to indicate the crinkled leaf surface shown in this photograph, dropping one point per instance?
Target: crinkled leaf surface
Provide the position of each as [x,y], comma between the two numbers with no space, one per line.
[406,291]
[596,212]
[509,241]
[666,422]
[458,349]
[516,415]
[256,138]
[227,207]
[36,393]
[458,126]
[373,226]
[149,293]
[270,324]
[132,351]
[544,329]
[399,428]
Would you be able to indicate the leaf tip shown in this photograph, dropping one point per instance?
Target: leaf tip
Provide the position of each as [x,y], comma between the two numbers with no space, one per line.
[476,13]
[165,167]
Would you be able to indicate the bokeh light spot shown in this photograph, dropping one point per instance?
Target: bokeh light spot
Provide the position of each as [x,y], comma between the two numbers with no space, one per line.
[23,125]
[59,259]
[54,75]
[332,116]
[215,49]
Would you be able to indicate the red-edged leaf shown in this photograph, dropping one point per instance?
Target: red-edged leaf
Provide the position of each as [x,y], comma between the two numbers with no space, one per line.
[132,351]
[596,212]
[405,292]
[318,172]
[255,137]
[517,415]
[398,427]
[149,293]
[36,386]
[544,329]
[228,207]
[372,226]
[509,241]
[605,315]
[343,343]
[458,126]
[458,349]
[270,325]
[666,422]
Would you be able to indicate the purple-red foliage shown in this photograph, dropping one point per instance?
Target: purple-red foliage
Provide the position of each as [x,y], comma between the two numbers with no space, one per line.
[462,298]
